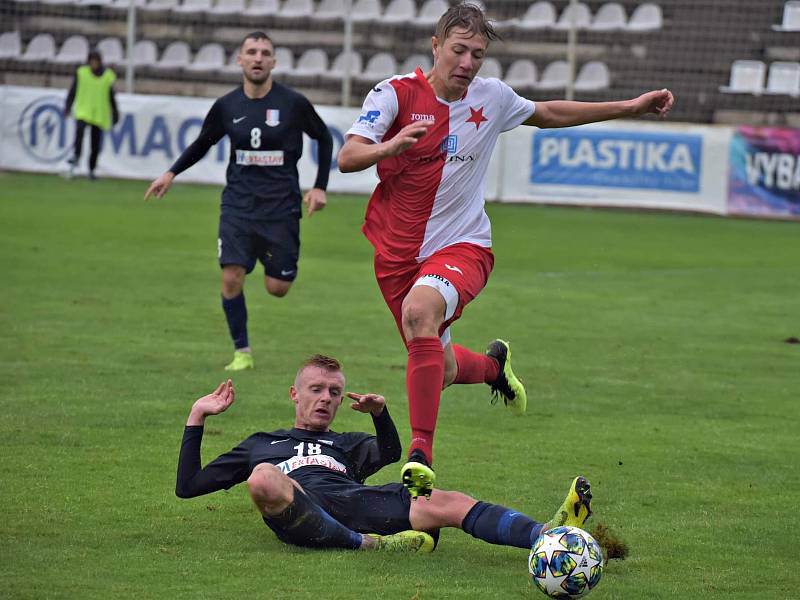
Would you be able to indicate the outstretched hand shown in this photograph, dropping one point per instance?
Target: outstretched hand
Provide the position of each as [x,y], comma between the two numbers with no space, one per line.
[160,186]
[214,403]
[658,102]
[367,403]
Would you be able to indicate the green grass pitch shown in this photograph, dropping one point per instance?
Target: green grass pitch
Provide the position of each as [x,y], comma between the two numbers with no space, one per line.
[652,346]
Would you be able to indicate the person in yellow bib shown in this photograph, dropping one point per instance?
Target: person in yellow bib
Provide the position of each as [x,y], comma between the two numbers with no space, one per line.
[92,103]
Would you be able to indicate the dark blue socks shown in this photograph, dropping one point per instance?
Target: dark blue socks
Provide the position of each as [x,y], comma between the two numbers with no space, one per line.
[500,525]
[236,314]
[303,523]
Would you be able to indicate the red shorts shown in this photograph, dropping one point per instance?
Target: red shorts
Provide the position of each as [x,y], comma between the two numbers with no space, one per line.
[461,269]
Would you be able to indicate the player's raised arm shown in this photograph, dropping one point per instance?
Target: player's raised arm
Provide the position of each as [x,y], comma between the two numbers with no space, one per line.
[359,153]
[214,403]
[566,113]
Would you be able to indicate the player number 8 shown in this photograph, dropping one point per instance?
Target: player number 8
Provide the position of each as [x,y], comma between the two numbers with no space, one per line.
[255,137]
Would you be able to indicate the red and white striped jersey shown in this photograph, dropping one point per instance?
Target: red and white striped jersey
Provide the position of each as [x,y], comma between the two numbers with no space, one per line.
[431,196]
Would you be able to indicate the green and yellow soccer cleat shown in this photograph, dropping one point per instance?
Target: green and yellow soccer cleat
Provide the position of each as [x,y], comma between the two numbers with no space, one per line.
[507,386]
[405,541]
[418,477]
[577,506]
[241,361]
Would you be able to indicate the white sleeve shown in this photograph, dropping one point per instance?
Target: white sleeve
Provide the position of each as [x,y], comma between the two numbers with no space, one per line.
[516,109]
[377,114]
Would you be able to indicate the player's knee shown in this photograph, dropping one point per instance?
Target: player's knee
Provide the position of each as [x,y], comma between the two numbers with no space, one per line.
[232,282]
[418,319]
[277,287]
[267,487]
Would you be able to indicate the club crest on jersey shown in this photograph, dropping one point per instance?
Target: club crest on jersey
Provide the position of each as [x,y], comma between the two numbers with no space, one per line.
[449,144]
[273,117]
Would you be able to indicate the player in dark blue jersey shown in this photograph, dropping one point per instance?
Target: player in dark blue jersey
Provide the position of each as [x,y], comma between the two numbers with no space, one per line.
[308,481]
[261,202]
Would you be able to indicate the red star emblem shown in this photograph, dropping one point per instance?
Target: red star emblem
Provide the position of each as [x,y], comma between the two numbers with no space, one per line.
[476,117]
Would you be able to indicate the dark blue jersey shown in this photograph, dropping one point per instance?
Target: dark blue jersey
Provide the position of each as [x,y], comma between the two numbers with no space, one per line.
[266,139]
[314,459]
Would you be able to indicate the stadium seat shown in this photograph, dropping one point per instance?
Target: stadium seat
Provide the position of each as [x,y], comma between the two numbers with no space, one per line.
[340,63]
[521,74]
[609,17]
[176,55]
[41,47]
[791,17]
[430,12]
[210,57]
[747,77]
[540,15]
[491,68]
[232,66]
[379,67]
[124,4]
[57,1]
[156,5]
[578,12]
[110,49]
[260,8]
[74,50]
[284,60]
[96,2]
[366,10]
[312,62]
[10,44]
[329,10]
[410,64]
[555,76]
[645,17]
[145,53]
[296,9]
[593,76]
[228,7]
[193,6]
[399,11]
[784,78]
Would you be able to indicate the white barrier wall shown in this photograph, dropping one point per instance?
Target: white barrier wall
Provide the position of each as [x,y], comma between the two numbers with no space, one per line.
[639,164]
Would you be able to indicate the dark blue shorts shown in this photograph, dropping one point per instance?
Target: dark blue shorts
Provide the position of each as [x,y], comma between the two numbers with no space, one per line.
[382,509]
[275,243]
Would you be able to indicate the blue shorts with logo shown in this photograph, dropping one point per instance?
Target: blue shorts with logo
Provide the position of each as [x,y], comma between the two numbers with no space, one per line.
[275,243]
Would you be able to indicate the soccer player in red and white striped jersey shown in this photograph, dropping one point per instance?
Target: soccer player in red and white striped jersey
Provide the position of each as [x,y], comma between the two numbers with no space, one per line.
[431,136]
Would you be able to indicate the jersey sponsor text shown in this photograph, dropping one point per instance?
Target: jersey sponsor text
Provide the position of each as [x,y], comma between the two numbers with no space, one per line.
[317,460]
[260,158]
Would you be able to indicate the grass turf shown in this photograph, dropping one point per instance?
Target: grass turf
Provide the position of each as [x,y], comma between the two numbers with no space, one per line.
[652,346]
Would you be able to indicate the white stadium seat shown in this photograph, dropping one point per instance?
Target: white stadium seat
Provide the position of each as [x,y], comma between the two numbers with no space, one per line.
[540,15]
[400,11]
[594,75]
[379,67]
[41,47]
[176,55]
[193,6]
[423,61]
[145,53]
[521,74]
[210,57]
[329,10]
[124,4]
[784,78]
[228,7]
[284,60]
[645,17]
[791,17]
[609,17]
[10,44]
[747,77]
[366,10]
[259,8]
[74,50]
[555,76]
[578,12]
[312,62]
[111,50]
[491,68]
[232,66]
[296,9]
[154,5]
[430,12]
[344,60]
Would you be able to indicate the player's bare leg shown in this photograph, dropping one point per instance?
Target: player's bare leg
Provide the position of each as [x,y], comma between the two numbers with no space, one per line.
[276,287]
[233,304]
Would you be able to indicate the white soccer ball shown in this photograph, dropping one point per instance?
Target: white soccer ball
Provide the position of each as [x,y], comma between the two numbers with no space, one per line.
[565,562]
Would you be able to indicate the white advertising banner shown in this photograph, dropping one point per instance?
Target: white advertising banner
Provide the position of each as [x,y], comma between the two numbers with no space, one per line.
[636,164]
[619,163]
[151,134]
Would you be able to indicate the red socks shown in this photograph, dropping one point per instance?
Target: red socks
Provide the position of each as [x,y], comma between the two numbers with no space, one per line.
[474,367]
[424,377]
